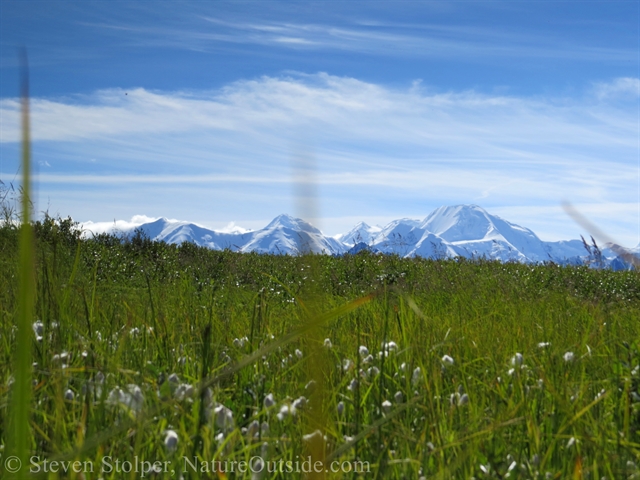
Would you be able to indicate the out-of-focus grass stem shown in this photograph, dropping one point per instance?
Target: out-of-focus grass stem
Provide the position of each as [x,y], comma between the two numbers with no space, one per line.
[21,390]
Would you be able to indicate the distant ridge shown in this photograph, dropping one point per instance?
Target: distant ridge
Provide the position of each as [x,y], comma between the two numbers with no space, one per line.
[466,231]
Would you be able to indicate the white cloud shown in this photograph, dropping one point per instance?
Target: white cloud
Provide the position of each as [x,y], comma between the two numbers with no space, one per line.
[628,88]
[116,225]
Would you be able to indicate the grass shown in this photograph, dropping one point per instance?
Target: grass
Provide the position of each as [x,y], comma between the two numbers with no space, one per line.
[129,315]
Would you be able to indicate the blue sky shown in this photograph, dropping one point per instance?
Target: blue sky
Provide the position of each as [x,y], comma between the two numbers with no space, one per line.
[220,112]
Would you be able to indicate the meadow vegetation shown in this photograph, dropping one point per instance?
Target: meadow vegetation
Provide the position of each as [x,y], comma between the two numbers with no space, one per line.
[442,369]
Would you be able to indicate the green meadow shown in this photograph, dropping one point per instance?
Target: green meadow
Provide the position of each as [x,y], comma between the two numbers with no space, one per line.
[163,361]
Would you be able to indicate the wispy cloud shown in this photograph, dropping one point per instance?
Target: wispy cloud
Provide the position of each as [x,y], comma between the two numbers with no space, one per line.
[446,41]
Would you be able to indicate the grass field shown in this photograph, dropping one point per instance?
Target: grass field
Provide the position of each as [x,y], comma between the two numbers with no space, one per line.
[147,352]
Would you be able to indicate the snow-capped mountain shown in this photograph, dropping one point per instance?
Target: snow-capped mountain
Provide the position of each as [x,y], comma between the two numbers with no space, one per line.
[462,230]
[289,235]
[361,233]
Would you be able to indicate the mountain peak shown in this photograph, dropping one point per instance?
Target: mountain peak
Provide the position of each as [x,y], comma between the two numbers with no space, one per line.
[287,221]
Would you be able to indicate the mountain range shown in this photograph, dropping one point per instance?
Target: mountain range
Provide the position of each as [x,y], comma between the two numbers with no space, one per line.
[454,231]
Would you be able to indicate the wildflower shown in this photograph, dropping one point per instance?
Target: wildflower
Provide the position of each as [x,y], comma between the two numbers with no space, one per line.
[61,357]
[269,401]
[253,429]
[568,357]
[284,412]
[38,330]
[171,440]
[389,346]
[298,404]
[131,398]
[517,360]
[224,418]
[447,360]
[312,437]
[184,390]
[174,381]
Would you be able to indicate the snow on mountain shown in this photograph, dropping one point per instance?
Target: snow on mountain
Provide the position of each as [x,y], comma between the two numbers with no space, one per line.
[462,230]
[361,233]
[399,237]
[179,232]
[479,234]
[289,235]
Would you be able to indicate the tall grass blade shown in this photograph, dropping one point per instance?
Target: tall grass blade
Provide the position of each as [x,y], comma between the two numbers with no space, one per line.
[600,235]
[19,435]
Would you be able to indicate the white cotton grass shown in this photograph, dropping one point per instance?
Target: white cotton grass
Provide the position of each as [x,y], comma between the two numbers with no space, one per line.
[398,397]
[327,343]
[69,395]
[313,437]
[224,418]
[269,401]
[386,406]
[284,413]
[569,357]
[298,404]
[170,440]
[38,330]
[363,351]
[416,376]
[130,397]
[347,364]
[517,360]
[447,360]
[240,342]
[340,408]
[389,346]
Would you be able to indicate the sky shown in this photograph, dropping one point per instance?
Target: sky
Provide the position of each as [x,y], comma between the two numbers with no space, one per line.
[227,114]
